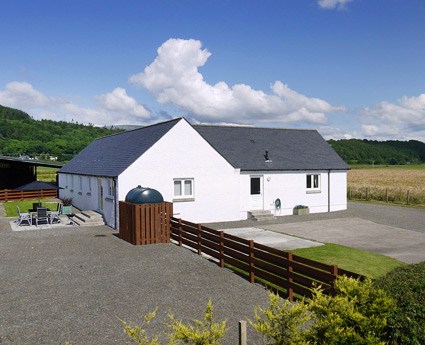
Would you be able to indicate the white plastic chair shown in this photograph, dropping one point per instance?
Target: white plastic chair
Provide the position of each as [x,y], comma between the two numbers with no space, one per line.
[23,217]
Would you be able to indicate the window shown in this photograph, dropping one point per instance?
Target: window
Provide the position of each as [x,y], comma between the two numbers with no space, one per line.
[255,186]
[80,180]
[183,188]
[110,187]
[313,182]
[89,180]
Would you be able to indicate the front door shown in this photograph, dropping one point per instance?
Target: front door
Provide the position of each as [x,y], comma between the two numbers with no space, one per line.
[256,201]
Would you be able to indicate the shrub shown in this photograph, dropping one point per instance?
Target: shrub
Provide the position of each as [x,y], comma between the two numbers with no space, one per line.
[357,314]
[206,332]
[406,285]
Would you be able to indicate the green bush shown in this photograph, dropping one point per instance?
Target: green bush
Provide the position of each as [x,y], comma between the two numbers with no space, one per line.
[406,285]
[206,332]
[357,314]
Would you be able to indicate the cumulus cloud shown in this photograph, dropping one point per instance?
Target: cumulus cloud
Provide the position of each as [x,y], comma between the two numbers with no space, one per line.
[115,107]
[402,120]
[23,94]
[174,78]
[335,133]
[333,4]
[118,101]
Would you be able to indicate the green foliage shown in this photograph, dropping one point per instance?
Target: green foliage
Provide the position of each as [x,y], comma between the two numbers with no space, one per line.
[24,206]
[407,286]
[356,151]
[357,314]
[21,134]
[137,334]
[206,332]
[283,321]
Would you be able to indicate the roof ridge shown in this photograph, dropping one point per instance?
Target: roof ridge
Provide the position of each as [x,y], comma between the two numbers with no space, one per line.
[144,127]
[252,127]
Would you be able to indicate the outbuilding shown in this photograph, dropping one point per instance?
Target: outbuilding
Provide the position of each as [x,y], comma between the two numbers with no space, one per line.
[210,173]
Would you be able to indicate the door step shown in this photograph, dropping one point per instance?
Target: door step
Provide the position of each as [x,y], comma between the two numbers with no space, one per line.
[88,218]
[259,215]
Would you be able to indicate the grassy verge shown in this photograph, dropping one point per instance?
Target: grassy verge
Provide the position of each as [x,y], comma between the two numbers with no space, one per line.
[24,206]
[355,260]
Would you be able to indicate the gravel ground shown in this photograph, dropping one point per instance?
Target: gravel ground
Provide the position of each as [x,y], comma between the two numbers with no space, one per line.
[71,284]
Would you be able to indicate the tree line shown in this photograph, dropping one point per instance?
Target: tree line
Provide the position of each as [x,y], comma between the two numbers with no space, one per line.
[391,152]
[20,134]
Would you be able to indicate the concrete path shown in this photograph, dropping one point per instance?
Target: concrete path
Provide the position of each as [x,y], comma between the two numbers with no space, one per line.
[272,238]
[404,245]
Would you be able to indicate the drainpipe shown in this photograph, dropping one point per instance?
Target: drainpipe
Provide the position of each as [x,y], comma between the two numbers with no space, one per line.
[329,190]
[116,202]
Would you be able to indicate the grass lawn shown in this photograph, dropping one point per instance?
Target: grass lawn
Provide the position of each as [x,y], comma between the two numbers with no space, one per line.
[355,260]
[24,206]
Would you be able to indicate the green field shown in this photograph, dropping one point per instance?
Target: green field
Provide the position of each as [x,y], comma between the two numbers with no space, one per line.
[24,206]
[46,174]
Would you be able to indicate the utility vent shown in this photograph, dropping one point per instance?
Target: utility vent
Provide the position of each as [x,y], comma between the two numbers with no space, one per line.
[267,158]
[252,141]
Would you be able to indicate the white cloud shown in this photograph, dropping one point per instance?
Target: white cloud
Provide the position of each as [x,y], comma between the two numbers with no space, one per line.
[118,101]
[402,120]
[329,132]
[22,94]
[115,107]
[333,4]
[173,78]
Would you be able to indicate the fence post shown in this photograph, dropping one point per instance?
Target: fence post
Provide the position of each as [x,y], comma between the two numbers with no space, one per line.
[199,239]
[242,332]
[408,197]
[222,249]
[290,279]
[180,232]
[386,195]
[335,274]
[251,261]
[367,193]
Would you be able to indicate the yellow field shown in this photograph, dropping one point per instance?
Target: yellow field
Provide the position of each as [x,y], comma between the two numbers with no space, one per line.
[392,184]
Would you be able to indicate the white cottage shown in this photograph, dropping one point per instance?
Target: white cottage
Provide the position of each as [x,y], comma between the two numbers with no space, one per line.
[210,173]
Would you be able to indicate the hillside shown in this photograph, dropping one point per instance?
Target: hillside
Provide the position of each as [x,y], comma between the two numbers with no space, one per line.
[357,151]
[21,134]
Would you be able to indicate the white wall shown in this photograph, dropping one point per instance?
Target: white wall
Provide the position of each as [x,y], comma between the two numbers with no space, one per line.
[183,153]
[86,195]
[290,188]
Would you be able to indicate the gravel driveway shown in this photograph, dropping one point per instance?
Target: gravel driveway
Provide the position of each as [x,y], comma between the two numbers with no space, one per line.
[71,284]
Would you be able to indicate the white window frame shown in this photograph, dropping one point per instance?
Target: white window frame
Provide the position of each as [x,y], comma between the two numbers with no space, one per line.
[184,196]
[110,189]
[314,181]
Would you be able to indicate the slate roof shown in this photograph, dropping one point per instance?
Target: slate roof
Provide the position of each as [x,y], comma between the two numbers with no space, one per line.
[288,149]
[243,147]
[111,155]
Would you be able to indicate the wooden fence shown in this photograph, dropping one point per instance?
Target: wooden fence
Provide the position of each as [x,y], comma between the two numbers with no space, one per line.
[145,223]
[387,195]
[11,194]
[285,272]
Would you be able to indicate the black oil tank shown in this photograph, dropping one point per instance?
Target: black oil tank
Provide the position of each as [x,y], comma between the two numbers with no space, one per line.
[144,195]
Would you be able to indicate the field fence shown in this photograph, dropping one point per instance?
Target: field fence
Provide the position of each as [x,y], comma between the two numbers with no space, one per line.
[388,195]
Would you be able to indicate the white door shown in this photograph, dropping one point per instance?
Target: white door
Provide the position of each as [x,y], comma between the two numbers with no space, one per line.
[256,201]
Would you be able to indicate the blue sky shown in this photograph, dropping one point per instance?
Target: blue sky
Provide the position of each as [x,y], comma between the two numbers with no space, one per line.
[349,68]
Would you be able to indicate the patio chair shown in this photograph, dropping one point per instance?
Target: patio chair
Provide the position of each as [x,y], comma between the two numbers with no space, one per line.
[23,217]
[42,216]
[55,215]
